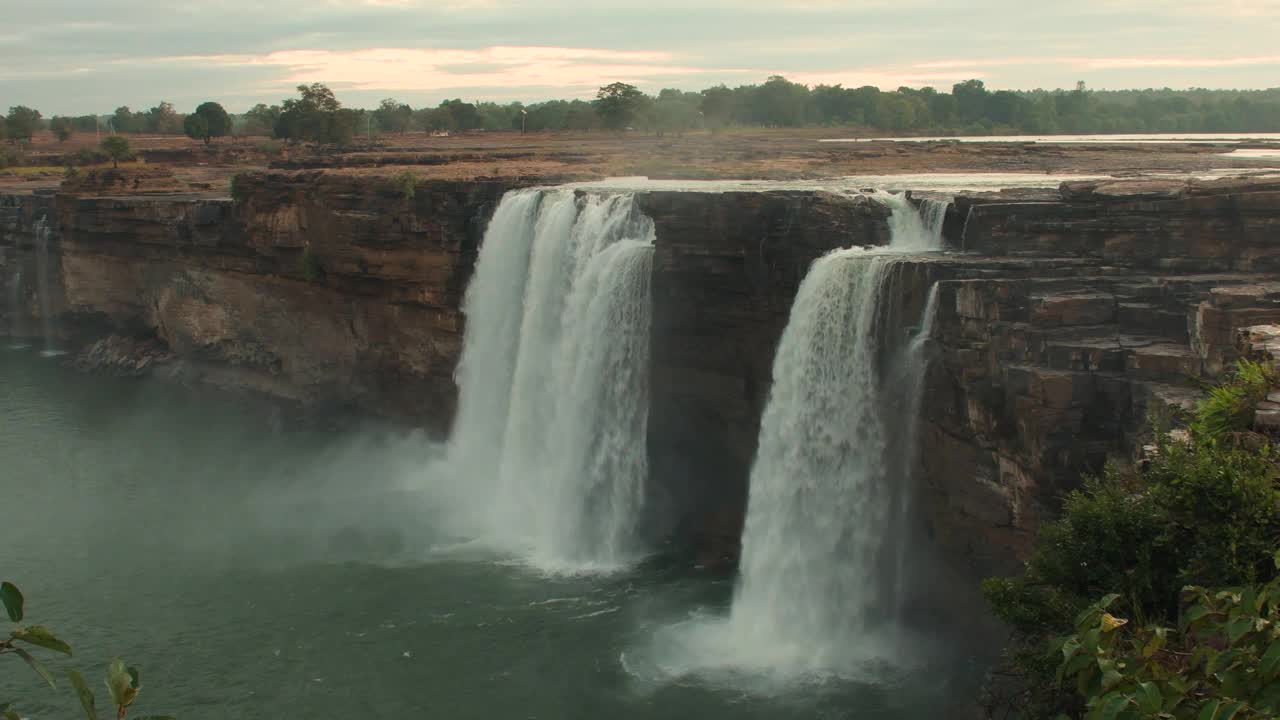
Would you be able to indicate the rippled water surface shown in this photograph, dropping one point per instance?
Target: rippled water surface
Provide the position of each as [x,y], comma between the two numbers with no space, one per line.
[254,572]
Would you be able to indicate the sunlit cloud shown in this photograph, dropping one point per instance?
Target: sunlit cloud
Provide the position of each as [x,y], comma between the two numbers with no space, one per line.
[443,69]
[884,78]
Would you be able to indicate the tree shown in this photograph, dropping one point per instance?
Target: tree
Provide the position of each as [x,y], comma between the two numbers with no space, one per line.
[780,103]
[61,127]
[393,116]
[207,122]
[618,103]
[124,120]
[971,99]
[163,119]
[459,115]
[717,106]
[675,111]
[260,119]
[117,148]
[22,122]
[196,127]
[314,115]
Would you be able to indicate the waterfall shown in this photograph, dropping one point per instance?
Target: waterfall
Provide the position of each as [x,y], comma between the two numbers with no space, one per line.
[43,234]
[933,214]
[16,329]
[554,377]
[822,555]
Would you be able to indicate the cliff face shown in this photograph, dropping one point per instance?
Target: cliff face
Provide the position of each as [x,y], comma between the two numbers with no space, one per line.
[328,290]
[1072,316]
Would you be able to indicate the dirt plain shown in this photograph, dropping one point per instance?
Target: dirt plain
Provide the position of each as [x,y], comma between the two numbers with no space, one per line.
[781,154]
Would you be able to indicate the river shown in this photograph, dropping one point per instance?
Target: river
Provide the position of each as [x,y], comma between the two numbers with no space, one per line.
[251,570]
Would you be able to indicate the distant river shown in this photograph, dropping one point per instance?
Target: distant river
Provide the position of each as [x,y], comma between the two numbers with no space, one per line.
[1169,138]
[255,572]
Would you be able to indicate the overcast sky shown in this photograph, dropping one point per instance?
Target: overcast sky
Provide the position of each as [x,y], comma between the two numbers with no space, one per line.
[76,56]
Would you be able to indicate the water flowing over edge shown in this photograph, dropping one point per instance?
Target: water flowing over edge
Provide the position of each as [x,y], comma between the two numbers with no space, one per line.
[548,453]
[821,580]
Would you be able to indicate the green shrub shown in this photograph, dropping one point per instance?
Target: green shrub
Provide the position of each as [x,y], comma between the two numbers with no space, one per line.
[1202,513]
[237,189]
[1222,660]
[271,148]
[406,184]
[90,156]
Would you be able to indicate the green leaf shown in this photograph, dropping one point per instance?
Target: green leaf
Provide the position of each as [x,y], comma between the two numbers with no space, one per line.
[120,682]
[1194,613]
[35,665]
[84,693]
[1111,707]
[1238,628]
[12,599]
[8,713]
[1270,663]
[1107,600]
[1150,699]
[1229,710]
[1073,666]
[1070,647]
[40,636]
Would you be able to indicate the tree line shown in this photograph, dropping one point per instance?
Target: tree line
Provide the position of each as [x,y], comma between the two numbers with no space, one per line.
[969,109]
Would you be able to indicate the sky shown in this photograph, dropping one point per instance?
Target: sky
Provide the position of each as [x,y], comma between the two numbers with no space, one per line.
[78,57]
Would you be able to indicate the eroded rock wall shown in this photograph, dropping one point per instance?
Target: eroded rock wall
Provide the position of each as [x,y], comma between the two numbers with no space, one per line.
[334,291]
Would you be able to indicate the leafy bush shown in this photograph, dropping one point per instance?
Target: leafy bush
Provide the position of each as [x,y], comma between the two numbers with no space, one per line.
[271,148]
[122,680]
[1221,662]
[237,189]
[1202,513]
[406,184]
[90,156]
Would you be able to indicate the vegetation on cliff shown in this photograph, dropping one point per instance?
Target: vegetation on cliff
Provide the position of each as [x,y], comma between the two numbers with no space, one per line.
[1157,592]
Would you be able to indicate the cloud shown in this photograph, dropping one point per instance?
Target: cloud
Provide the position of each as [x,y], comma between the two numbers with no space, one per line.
[1106,62]
[394,69]
[94,56]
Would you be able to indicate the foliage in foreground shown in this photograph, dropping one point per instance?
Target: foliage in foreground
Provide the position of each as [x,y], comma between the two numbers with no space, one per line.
[1222,661]
[1114,599]
[123,682]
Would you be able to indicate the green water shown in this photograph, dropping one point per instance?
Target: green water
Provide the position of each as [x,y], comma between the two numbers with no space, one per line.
[251,571]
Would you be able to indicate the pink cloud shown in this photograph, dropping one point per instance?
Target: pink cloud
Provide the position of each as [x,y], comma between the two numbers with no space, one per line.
[441,69]
[883,78]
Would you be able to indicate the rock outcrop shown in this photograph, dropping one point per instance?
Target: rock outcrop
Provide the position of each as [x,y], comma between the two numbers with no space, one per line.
[331,291]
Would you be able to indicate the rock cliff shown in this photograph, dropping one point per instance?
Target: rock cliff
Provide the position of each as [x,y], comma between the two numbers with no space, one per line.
[1068,317]
[331,291]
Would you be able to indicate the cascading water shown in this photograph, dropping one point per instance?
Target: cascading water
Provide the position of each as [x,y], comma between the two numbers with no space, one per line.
[43,234]
[821,568]
[554,376]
